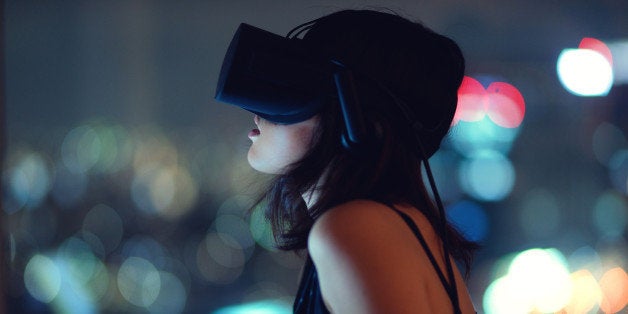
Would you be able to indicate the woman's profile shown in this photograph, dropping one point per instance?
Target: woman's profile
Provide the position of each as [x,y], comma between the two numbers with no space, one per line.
[348,108]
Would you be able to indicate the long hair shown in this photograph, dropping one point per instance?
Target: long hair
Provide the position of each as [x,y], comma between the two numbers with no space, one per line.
[395,60]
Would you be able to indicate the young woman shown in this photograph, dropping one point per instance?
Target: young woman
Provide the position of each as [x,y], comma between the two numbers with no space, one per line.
[349,187]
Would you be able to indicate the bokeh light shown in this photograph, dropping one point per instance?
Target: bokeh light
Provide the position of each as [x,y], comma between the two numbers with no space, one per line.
[505,105]
[501,102]
[42,278]
[259,307]
[614,286]
[586,293]
[168,191]
[610,215]
[220,258]
[139,281]
[598,46]
[172,296]
[585,72]
[537,280]
[468,137]
[619,49]
[618,170]
[261,229]
[106,225]
[487,176]
[607,140]
[470,218]
[29,178]
[68,187]
[540,214]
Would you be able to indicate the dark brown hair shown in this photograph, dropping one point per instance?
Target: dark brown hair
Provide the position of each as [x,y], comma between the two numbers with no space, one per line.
[394,60]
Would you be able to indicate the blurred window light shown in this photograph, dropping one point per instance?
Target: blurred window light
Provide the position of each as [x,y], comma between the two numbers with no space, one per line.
[443,164]
[585,72]
[618,170]
[68,187]
[29,180]
[469,137]
[104,222]
[219,262]
[225,250]
[586,258]
[168,191]
[145,247]
[487,176]
[610,215]
[81,149]
[139,281]
[598,46]
[501,102]
[537,281]
[42,278]
[471,101]
[586,294]
[259,307]
[261,229]
[539,215]
[619,49]
[172,296]
[614,285]
[85,279]
[235,227]
[501,297]
[470,218]
[505,105]
[607,139]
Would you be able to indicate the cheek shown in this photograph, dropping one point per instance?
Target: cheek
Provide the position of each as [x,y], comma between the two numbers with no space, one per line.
[273,151]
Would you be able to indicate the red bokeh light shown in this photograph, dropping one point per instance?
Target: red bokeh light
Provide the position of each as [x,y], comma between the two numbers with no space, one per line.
[502,102]
[597,45]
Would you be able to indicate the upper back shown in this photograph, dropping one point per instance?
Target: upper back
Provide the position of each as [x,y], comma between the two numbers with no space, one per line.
[370,261]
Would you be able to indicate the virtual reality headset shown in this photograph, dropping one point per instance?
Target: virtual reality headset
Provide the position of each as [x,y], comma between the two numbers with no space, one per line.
[274,77]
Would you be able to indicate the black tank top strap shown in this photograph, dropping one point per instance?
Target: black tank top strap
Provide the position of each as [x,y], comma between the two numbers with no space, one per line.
[448,287]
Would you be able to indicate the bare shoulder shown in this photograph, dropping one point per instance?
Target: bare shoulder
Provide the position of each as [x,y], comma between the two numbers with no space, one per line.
[364,260]
[352,219]
[369,261]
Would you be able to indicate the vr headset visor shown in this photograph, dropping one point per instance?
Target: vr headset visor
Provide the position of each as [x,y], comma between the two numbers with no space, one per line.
[274,77]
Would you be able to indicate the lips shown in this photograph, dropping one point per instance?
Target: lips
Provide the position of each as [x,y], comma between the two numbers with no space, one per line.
[254,133]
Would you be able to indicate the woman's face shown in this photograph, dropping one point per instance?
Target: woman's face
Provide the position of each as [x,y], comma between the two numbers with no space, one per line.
[276,146]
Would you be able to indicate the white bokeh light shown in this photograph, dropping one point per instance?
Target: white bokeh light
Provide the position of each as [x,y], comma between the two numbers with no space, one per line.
[584,72]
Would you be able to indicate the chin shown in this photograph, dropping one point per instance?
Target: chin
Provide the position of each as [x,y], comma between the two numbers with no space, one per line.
[258,164]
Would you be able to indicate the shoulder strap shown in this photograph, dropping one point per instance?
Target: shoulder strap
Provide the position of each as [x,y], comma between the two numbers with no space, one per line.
[453,295]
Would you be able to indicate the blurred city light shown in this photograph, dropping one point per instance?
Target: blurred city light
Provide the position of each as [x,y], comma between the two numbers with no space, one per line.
[607,140]
[470,219]
[610,215]
[469,137]
[500,101]
[539,281]
[487,176]
[619,49]
[585,71]
[540,214]
[259,307]
[29,178]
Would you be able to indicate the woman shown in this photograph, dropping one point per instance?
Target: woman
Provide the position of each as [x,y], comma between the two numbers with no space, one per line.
[348,187]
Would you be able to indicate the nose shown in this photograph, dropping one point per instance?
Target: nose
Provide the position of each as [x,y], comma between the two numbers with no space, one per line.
[256,119]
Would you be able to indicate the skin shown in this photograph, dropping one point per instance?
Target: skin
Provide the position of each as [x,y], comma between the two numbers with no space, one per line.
[368,260]
[382,270]
[275,146]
